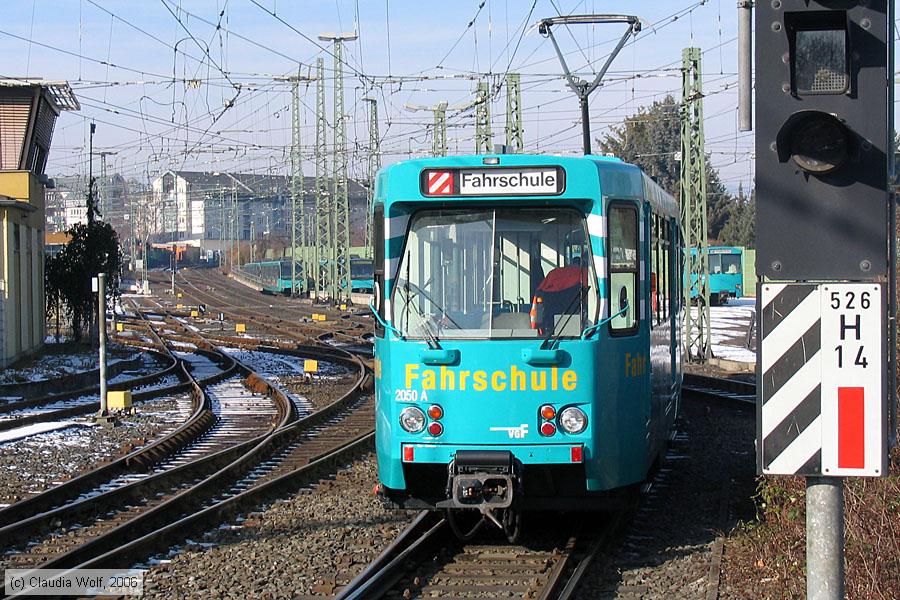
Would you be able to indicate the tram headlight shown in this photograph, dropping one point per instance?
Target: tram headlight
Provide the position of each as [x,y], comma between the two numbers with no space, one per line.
[572,420]
[412,419]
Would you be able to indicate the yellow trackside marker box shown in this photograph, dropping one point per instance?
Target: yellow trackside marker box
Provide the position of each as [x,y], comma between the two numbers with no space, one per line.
[120,327]
[179,306]
[322,318]
[343,307]
[240,328]
[118,400]
[195,313]
[310,366]
[179,294]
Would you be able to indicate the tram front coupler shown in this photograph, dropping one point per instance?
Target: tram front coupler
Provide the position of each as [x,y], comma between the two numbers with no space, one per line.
[482,491]
[486,481]
[483,480]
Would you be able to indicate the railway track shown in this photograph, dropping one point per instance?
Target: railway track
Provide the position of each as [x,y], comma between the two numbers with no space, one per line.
[292,328]
[548,564]
[428,561]
[719,389]
[82,401]
[215,474]
[227,415]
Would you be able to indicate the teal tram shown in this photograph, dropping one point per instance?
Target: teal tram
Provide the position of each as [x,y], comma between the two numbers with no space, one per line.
[274,275]
[361,273]
[726,274]
[527,345]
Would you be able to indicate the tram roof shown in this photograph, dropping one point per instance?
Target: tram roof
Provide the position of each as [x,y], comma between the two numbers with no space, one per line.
[618,179]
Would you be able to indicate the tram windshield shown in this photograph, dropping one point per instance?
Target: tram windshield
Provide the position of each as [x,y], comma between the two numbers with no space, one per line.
[361,268]
[725,263]
[495,273]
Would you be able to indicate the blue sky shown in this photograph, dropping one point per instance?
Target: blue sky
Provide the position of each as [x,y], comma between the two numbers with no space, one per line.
[419,52]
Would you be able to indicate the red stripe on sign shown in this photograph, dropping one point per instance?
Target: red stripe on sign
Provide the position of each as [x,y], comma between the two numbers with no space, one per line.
[440,183]
[851,428]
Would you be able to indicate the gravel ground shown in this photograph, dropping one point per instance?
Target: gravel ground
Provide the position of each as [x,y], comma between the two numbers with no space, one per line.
[286,372]
[702,490]
[322,391]
[300,547]
[33,464]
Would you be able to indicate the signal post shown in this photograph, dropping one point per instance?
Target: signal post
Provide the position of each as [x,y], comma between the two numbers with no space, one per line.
[825,257]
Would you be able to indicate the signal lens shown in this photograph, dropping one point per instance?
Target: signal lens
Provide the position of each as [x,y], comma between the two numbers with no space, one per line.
[412,419]
[572,420]
[435,412]
[435,428]
[548,429]
[819,144]
[547,412]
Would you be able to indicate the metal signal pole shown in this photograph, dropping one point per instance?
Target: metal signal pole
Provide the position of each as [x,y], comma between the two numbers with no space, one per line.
[323,202]
[439,145]
[340,285]
[374,165]
[693,210]
[298,221]
[483,135]
[104,187]
[514,132]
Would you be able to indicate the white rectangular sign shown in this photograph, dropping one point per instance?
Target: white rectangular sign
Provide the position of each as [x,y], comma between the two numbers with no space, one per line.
[852,375]
[531,181]
[822,396]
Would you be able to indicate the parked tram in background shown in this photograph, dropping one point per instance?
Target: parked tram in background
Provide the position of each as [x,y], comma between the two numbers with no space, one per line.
[361,272]
[726,274]
[274,276]
[527,346]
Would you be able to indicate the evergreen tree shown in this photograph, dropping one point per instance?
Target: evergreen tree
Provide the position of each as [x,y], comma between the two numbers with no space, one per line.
[740,228]
[651,139]
[94,248]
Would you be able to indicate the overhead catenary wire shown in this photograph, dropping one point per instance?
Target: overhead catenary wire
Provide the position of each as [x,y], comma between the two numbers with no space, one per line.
[253,125]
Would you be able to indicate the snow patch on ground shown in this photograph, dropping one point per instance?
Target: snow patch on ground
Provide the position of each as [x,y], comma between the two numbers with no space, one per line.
[52,365]
[29,430]
[729,325]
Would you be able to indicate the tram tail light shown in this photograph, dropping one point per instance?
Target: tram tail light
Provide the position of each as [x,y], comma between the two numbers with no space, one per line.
[547,412]
[435,412]
[435,428]
[577,454]
[548,429]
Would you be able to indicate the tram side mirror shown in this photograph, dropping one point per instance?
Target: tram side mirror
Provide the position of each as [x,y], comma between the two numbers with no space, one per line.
[623,298]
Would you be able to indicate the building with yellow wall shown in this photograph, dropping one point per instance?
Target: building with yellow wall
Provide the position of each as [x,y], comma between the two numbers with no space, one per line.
[28,112]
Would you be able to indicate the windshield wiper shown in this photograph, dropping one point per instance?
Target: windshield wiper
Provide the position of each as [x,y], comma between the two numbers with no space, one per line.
[433,342]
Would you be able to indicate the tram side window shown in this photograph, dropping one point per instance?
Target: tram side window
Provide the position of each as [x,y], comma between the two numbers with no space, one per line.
[378,266]
[659,270]
[623,267]
[654,270]
[664,269]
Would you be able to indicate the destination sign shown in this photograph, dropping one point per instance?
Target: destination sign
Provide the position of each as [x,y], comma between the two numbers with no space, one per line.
[492,182]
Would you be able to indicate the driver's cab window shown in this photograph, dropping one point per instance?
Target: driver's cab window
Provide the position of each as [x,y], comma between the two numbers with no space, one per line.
[623,267]
[509,272]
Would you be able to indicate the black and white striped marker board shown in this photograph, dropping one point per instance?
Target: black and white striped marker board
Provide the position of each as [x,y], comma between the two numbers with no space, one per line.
[821,407]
